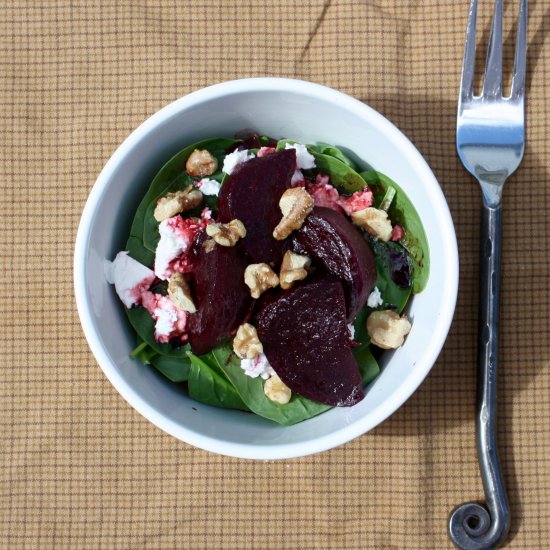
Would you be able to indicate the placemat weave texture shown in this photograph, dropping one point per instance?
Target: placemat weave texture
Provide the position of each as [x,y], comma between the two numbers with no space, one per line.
[79,467]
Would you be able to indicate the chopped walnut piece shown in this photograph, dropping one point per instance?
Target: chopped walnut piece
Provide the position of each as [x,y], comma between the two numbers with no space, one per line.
[209,245]
[293,268]
[259,278]
[276,390]
[374,221]
[296,203]
[174,203]
[180,294]
[201,163]
[386,329]
[246,343]
[226,234]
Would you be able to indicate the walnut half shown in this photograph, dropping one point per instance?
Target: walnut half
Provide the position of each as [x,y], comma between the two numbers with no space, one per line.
[226,234]
[174,203]
[246,343]
[276,390]
[295,204]
[260,277]
[293,268]
[180,294]
[374,221]
[201,163]
[386,329]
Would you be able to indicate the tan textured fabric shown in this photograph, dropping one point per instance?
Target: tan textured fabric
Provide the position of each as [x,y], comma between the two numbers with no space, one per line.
[80,468]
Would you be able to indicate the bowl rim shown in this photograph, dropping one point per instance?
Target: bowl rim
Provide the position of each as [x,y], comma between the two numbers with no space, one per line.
[279,450]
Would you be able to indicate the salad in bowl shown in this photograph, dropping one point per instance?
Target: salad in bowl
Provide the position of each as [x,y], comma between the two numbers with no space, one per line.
[269,275]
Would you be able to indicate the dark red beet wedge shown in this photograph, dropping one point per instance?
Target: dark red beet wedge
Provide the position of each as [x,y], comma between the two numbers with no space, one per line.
[222,299]
[334,243]
[305,338]
[251,194]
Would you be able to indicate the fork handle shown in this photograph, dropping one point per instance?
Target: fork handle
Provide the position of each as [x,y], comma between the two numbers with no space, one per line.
[473,526]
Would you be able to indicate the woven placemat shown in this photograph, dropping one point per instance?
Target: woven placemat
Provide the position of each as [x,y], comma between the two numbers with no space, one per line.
[79,467]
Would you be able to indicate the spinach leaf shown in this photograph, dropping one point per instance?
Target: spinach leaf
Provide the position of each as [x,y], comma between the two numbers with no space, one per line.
[282,143]
[172,176]
[342,176]
[252,393]
[332,151]
[392,294]
[368,367]
[143,352]
[175,369]
[136,249]
[207,386]
[402,211]
[144,325]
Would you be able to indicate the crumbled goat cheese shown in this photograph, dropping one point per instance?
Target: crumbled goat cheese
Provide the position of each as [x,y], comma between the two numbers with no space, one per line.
[375,298]
[358,201]
[170,321]
[209,187]
[231,161]
[264,151]
[304,159]
[397,233]
[129,277]
[259,366]
[297,178]
[351,329]
[324,195]
[175,239]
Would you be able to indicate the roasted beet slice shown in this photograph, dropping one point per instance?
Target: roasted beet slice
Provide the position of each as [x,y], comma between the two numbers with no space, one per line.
[334,243]
[222,299]
[305,338]
[251,194]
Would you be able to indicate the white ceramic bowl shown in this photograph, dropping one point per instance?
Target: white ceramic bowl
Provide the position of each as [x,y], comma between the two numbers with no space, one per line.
[280,108]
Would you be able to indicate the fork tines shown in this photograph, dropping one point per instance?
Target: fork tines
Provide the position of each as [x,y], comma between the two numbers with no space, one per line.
[492,83]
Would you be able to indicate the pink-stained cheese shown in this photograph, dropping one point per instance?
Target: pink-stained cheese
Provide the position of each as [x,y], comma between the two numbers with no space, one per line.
[130,278]
[358,201]
[397,232]
[170,321]
[324,194]
[264,151]
[176,237]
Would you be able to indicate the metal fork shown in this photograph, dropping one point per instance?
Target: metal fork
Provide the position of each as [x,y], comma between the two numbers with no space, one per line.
[490,141]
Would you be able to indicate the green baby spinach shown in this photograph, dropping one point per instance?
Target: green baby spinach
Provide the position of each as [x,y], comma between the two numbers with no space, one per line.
[342,176]
[206,385]
[393,295]
[332,151]
[144,325]
[368,366]
[403,212]
[252,393]
[144,234]
[175,369]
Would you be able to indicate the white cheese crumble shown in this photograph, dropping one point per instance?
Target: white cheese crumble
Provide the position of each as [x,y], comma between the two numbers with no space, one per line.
[231,161]
[170,321]
[209,187]
[173,242]
[165,318]
[351,329]
[297,177]
[304,159]
[259,366]
[375,298]
[129,277]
